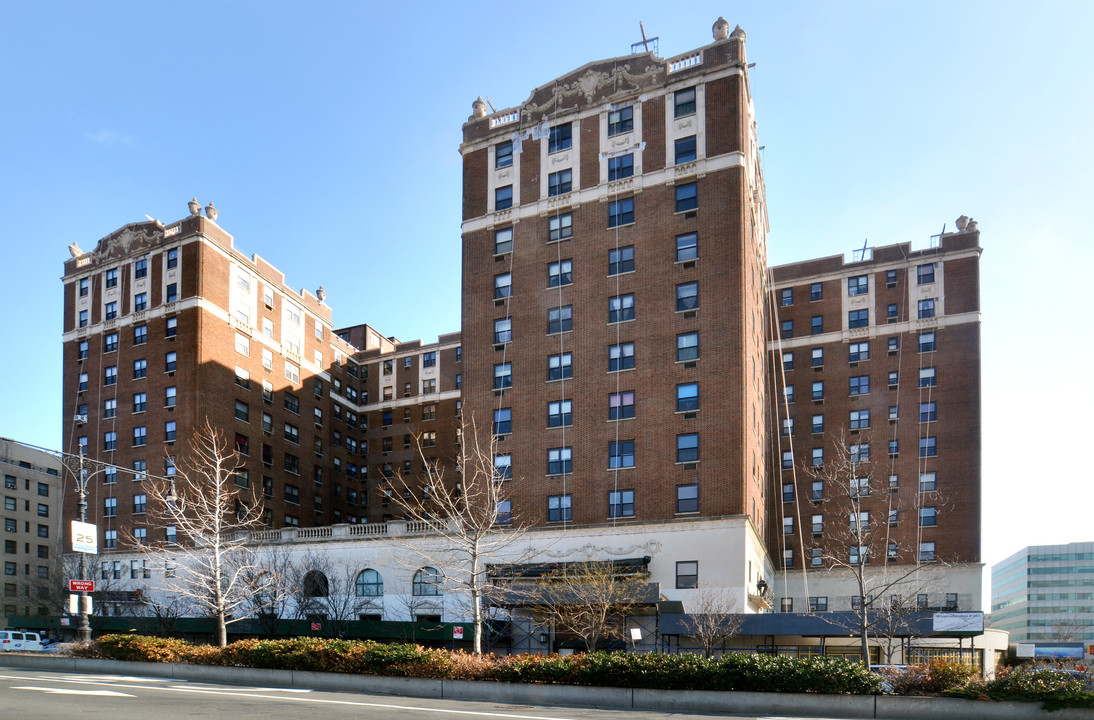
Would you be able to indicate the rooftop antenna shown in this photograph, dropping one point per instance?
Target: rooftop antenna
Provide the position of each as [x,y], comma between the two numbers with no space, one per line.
[644,45]
[492,109]
[866,253]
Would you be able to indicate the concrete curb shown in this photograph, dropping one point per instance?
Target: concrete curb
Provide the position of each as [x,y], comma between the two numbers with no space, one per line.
[889,707]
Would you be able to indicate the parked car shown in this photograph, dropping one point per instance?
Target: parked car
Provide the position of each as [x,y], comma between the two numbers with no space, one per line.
[20,641]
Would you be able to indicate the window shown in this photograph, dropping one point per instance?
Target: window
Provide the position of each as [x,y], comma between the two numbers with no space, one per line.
[503,376]
[559,183]
[427,583]
[817,390]
[621,167]
[85,286]
[110,541]
[110,507]
[140,368]
[621,212]
[503,330]
[110,375]
[560,366]
[687,448]
[170,361]
[560,273]
[924,274]
[859,352]
[687,574]
[503,241]
[928,447]
[687,347]
[788,393]
[292,403]
[170,396]
[172,258]
[787,329]
[559,508]
[891,312]
[140,268]
[429,386]
[860,385]
[140,334]
[140,502]
[858,285]
[687,296]
[503,197]
[858,318]
[787,460]
[816,358]
[503,154]
[620,308]
[503,466]
[560,227]
[560,138]
[855,554]
[687,397]
[928,517]
[817,457]
[503,421]
[140,302]
[621,260]
[687,247]
[111,310]
[110,440]
[369,583]
[139,469]
[928,482]
[172,326]
[788,522]
[927,377]
[559,413]
[621,406]
[926,342]
[560,319]
[786,297]
[503,286]
[559,460]
[243,345]
[621,454]
[112,278]
[685,149]
[683,102]
[621,357]
[927,552]
[83,319]
[292,373]
[140,436]
[81,352]
[860,419]
[620,121]
[860,453]
[926,309]
[687,197]
[292,433]
[928,411]
[111,343]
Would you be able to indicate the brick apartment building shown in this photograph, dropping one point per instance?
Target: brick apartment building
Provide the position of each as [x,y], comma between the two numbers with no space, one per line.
[32,530]
[877,362]
[166,327]
[622,338]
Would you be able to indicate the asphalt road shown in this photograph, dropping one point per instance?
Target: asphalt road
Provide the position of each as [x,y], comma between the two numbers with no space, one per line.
[37,695]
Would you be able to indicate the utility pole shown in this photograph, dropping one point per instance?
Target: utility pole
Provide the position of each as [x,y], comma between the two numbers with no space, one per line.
[84,627]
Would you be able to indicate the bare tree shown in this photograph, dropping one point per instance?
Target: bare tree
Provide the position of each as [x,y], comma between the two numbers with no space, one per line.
[272,579]
[327,592]
[470,515]
[864,533]
[713,619]
[592,600]
[210,565]
[1066,627]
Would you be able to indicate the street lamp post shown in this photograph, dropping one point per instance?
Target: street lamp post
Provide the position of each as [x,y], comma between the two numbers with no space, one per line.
[84,627]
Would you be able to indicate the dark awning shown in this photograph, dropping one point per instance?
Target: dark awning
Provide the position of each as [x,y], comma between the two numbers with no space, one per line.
[624,566]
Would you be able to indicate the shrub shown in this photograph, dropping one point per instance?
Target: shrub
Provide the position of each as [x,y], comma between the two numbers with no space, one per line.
[930,679]
[1054,687]
[134,648]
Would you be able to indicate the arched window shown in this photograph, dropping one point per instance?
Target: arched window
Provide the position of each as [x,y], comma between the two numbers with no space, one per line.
[316,585]
[369,584]
[427,582]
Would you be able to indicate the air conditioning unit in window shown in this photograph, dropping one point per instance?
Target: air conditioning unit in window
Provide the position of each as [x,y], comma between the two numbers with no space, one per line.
[80,418]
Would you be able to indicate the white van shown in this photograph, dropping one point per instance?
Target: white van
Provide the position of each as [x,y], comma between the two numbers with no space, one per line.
[20,641]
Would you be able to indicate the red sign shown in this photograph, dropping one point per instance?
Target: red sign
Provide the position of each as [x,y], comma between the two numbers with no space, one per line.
[316,626]
[81,586]
[457,632]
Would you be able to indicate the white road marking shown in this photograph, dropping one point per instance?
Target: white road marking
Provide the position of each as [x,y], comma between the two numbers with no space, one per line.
[69,691]
[313,699]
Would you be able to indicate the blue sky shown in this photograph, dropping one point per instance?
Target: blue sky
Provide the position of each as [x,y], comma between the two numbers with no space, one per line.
[327,135]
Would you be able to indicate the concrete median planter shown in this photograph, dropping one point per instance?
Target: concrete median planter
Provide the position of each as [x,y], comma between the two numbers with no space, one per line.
[676,701]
